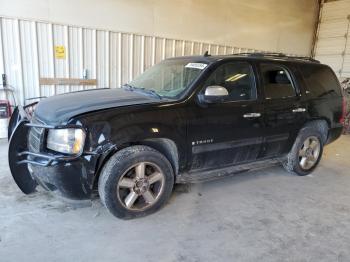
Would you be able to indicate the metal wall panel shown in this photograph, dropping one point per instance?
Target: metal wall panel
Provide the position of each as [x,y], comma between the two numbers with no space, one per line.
[29,58]
[333,37]
[27,53]
[75,44]
[89,53]
[60,38]
[2,62]
[45,57]
[12,55]
[102,59]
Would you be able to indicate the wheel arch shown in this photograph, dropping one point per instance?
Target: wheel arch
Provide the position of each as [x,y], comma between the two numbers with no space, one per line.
[321,124]
[165,146]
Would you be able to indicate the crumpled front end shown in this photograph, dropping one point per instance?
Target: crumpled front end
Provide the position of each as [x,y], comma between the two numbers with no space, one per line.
[31,165]
[18,143]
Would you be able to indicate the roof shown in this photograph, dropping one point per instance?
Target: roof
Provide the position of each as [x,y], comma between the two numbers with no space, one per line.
[254,56]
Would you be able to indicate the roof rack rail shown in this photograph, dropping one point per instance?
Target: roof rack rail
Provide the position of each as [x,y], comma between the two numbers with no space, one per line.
[280,55]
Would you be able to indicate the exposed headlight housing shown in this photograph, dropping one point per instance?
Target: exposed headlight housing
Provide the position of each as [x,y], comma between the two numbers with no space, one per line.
[68,141]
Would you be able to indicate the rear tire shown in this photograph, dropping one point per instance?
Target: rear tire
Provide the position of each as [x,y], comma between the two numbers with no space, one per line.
[306,152]
[135,182]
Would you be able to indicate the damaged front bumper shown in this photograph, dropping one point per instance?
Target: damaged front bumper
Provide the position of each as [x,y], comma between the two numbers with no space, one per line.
[69,176]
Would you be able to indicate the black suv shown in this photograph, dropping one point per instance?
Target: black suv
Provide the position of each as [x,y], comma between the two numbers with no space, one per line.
[186,119]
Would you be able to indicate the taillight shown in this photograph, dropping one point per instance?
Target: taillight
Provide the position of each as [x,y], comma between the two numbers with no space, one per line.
[343,113]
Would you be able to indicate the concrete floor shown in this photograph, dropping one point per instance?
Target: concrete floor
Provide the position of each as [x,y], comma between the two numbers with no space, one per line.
[268,215]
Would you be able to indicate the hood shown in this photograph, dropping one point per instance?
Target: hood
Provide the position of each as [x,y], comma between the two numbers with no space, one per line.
[59,109]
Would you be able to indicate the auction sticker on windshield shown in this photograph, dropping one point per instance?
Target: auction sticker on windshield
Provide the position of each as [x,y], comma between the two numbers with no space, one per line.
[200,66]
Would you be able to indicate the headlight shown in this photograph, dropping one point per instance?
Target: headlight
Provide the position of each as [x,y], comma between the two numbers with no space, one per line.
[67,141]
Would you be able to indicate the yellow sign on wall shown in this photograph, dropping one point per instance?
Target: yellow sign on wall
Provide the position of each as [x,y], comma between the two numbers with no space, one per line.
[60,52]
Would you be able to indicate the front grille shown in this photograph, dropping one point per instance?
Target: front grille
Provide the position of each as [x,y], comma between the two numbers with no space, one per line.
[35,137]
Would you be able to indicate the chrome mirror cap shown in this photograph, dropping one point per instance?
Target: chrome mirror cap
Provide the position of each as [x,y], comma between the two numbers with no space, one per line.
[216,91]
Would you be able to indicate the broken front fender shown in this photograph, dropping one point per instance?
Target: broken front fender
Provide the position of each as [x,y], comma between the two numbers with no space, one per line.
[15,119]
[18,133]
[20,113]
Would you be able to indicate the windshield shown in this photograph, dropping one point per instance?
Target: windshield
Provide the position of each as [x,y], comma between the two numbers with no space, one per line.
[169,78]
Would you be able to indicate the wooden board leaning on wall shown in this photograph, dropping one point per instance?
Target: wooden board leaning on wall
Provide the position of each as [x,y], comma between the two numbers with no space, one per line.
[67,81]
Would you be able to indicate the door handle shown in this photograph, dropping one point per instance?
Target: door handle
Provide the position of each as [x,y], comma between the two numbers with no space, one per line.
[252,115]
[299,110]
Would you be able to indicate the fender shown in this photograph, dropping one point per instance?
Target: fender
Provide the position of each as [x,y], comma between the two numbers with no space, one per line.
[132,134]
[123,129]
[14,120]
[146,131]
[106,141]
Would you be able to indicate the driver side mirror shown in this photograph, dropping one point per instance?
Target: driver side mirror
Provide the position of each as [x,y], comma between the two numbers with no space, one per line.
[213,94]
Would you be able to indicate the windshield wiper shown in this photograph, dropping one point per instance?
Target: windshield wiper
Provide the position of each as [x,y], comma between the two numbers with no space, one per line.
[149,91]
[142,89]
[129,87]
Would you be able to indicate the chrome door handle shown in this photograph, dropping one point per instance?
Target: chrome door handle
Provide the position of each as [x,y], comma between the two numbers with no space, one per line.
[252,115]
[299,110]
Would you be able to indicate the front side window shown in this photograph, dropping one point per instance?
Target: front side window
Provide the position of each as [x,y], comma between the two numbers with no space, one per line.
[237,77]
[277,82]
[169,78]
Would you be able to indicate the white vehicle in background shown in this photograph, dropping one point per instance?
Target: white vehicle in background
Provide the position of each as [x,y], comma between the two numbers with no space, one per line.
[7,104]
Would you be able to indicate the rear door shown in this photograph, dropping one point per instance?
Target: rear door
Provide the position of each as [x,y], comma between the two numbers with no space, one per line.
[284,109]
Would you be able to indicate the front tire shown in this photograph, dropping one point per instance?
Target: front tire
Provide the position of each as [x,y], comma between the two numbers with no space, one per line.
[136,182]
[306,152]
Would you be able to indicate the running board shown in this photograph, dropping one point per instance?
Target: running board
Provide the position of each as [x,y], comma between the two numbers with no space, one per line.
[207,175]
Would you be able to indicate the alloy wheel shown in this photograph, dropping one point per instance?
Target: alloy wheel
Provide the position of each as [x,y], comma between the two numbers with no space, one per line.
[140,186]
[309,153]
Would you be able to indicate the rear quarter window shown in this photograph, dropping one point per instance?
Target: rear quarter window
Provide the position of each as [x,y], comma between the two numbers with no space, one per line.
[320,81]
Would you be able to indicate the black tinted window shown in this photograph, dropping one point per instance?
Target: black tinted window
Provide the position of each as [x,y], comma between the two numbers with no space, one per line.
[320,81]
[238,78]
[277,82]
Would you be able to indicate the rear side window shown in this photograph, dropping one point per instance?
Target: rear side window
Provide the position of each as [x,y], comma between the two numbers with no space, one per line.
[277,82]
[320,80]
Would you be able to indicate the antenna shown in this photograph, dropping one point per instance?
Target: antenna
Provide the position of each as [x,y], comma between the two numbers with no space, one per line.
[206,54]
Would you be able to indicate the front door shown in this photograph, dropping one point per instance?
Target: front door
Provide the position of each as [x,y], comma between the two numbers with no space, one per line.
[228,132]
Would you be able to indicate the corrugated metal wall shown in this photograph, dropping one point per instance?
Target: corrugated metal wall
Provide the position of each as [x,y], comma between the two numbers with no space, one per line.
[333,39]
[113,58]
